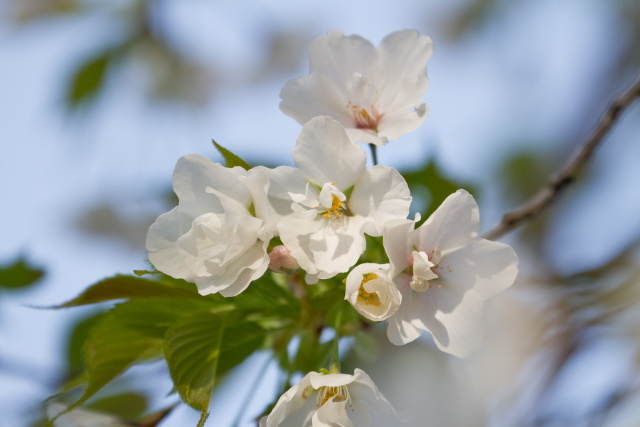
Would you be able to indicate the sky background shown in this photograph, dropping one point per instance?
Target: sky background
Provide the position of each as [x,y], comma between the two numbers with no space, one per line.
[80,186]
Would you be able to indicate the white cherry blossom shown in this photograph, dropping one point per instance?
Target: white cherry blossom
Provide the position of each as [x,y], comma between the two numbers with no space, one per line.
[372,292]
[217,235]
[375,93]
[444,273]
[323,400]
[323,207]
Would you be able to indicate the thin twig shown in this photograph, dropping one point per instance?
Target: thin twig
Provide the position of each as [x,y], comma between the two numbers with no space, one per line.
[547,195]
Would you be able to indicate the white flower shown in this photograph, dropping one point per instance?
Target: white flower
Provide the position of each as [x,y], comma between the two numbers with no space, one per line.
[444,273]
[330,400]
[323,207]
[80,417]
[216,236]
[375,93]
[372,292]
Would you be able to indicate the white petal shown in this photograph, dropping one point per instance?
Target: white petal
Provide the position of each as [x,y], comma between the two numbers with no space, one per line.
[291,402]
[451,226]
[381,194]
[257,182]
[194,173]
[422,266]
[454,319]
[401,329]
[332,414]
[325,246]
[338,56]
[396,244]
[162,243]
[323,153]
[315,95]
[381,411]
[367,136]
[405,54]
[330,380]
[396,123]
[283,180]
[489,267]
[237,276]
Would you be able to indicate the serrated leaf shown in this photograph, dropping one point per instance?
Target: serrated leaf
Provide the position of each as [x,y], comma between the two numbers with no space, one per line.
[230,158]
[132,332]
[131,287]
[201,348]
[19,274]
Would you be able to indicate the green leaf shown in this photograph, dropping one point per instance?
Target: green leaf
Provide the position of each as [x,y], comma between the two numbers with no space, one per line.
[88,78]
[128,405]
[76,341]
[19,275]
[230,158]
[201,348]
[132,332]
[120,287]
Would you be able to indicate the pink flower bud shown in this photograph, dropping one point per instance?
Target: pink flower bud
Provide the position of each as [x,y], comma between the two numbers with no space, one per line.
[281,261]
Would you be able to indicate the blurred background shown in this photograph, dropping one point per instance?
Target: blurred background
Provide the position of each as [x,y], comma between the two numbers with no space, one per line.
[100,99]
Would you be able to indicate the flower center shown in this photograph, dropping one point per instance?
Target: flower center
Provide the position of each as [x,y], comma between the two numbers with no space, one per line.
[366,297]
[338,393]
[332,203]
[427,270]
[363,118]
[335,209]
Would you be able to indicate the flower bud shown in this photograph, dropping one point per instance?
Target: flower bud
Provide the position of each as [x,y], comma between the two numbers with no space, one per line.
[281,261]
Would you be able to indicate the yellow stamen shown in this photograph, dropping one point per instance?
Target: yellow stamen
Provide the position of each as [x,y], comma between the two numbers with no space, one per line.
[366,297]
[334,210]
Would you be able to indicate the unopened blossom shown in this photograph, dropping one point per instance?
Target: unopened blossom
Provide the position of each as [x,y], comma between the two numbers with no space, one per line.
[217,236]
[322,400]
[323,207]
[281,261]
[374,92]
[372,292]
[444,273]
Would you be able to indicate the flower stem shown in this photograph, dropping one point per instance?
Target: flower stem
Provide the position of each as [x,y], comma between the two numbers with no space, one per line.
[335,362]
[374,154]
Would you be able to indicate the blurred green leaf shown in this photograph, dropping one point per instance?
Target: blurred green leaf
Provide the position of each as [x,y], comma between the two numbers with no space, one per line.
[429,177]
[523,174]
[311,354]
[132,332]
[19,275]
[88,79]
[201,348]
[126,405]
[120,286]
[230,158]
[349,317]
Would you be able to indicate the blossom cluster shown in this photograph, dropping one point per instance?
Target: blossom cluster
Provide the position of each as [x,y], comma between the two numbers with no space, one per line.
[438,274]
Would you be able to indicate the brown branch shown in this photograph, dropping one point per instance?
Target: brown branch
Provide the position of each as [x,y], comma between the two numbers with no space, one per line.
[548,194]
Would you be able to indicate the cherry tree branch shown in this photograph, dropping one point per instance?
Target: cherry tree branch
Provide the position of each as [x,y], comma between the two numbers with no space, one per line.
[548,194]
